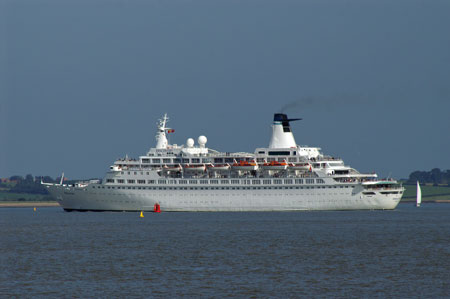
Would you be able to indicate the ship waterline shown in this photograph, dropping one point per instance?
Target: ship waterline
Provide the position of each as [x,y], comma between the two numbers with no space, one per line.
[184,178]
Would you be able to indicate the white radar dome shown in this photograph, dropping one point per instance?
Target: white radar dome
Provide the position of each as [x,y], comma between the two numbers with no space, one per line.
[190,142]
[202,140]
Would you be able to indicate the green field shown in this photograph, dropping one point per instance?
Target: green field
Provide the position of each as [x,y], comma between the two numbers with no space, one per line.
[428,193]
[6,196]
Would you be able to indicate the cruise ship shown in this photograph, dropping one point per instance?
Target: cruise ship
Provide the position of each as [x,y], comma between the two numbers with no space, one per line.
[192,177]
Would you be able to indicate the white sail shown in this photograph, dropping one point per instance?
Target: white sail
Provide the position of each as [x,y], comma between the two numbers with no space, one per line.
[419,195]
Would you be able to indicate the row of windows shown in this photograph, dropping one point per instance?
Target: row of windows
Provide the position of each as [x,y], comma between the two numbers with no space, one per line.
[193,160]
[220,188]
[215,160]
[222,182]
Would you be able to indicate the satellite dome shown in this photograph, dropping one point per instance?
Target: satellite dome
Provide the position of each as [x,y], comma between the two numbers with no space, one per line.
[202,140]
[190,142]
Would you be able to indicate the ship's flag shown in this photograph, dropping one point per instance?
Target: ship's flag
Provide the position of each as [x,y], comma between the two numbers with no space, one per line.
[170,131]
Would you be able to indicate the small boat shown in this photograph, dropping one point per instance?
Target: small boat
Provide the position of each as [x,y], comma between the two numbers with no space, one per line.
[419,195]
[115,168]
[274,165]
[169,169]
[300,166]
[194,168]
[245,165]
[218,167]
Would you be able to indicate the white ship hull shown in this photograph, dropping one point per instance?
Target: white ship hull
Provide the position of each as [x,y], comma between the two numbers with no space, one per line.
[157,180]
[79,199]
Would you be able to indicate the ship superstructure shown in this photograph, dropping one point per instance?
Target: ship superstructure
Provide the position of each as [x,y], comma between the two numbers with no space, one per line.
[192,177]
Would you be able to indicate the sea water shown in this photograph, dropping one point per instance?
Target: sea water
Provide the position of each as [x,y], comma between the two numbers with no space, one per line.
[360,254]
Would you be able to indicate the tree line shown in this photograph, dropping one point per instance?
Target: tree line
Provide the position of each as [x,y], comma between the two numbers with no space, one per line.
[435,176]
[28,184]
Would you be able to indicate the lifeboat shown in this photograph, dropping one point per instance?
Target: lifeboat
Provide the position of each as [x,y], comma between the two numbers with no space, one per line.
[245,165]
[218,167]
[274,165]
[115,168]
[194,168]
[300,166]
[168,169]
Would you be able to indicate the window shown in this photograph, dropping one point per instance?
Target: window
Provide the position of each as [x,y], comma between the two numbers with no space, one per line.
[162,181]
[256,182]
[120,181]
[277,181]
[195,160]
[110,180]
[185,160]
[166,160]
[299,181]
[320,181]
[292,159]
[141,181]
[309,181]
[156,160]
[145,160]
[203,182]
[192,181]
[267,182]
[218,160]
[131,181]
[279,153]
[224,181]
[234,181]
[151,181]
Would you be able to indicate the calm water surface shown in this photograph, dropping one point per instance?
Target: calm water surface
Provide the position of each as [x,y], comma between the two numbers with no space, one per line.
[50,253]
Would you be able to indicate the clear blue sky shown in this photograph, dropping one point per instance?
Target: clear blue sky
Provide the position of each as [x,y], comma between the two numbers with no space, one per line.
[83,82]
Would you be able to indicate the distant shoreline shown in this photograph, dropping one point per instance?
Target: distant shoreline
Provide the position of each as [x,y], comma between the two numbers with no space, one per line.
[29,204]
[427,201]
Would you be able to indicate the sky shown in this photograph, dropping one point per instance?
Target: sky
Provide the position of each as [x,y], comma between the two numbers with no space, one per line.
[83,83]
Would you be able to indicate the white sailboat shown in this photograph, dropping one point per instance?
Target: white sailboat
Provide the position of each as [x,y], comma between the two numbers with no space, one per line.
[419,195]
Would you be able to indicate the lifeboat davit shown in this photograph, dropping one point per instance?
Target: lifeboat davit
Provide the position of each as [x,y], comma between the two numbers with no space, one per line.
[194,168]
[245,165]
[275,165]
[300,166]
[218,167]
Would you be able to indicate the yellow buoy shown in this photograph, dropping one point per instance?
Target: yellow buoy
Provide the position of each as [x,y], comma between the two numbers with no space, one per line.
[142,214]
[34,209]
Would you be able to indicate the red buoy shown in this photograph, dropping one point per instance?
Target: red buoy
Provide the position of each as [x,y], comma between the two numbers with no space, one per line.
[157,208]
